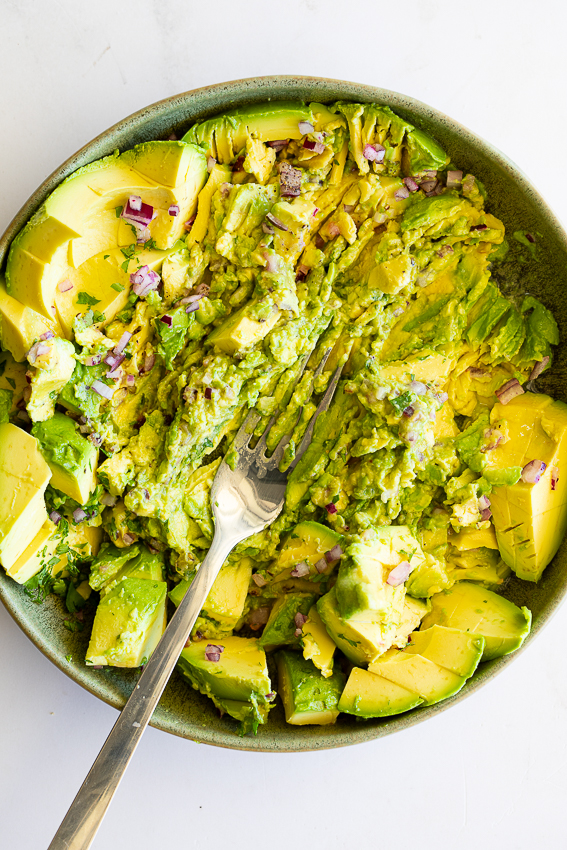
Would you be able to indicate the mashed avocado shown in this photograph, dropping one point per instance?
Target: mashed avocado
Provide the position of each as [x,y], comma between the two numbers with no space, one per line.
[168,290]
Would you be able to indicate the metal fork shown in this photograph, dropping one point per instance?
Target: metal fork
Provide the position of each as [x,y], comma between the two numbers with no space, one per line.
[244,501]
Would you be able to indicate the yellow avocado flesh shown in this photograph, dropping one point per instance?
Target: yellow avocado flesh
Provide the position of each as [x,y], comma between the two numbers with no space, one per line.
[531,519]
[227,597]
[37,554]
[418,674]
[474,538]
[128,623]
[24,475]
[369,695]
[301,711]
[240,671]
[240,331]
[317,645]
[360,641]
[473,609]
[20,326]
[219,174]
[453,649]
[78,485]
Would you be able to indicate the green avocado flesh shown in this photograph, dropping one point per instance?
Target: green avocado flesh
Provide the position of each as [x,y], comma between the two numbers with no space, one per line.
[162,293]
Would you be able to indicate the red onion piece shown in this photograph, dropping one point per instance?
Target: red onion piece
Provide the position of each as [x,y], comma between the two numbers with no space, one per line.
[333,230]
[174,210]
[271,262]
[149,363]
[334,554]
[399,574]
[321,565]
[277,222]
[79,515]
[144,281]
[454,179]
[47,335]
[445,250]
[95,439]
[509,391]
[189,223]
[208,393]
[211,162]
[300,570]
[418,388]
[167,320]
[135,202]
[55,517]
[192,308]
[190,299]
[140,214]
[93,360]
[203,289]
[411,184]
[485,514]
[64,285]
[306,127]
[475,372]
[128,539]
[301,273]
[299,620]
[108,500]
[428,186]
[102,389]
[259,617]
[238,164]
[532,471]
[213,651]
[317,147]
[483,503]
[259,580]
[408,411]
[479,227]
[278,144]
[267,228]
[331,508]
[122,342]
[554,478]
[537,370]
[110,359]
[374,153]
[402,194]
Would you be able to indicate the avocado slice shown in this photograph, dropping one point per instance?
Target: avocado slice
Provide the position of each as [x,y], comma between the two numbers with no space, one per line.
[238,682]
[242,329]
[20,326]
[418,674]
[71,458]
[128,624]
[37,555]
[530,519]
[25,475]
[308,697]
[454,649]
[369,695]
[361,642]
[482,612]
[281,627]
[317,644]
[227,597]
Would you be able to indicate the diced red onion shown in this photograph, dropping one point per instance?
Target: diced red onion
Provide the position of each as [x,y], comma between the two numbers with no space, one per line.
[321,565]
[331,508]
[189,223]
[402,194]
[290,180]
[122,342]
[445,250]
[530,238]
[64,285]
[144,281]
[509,391]
[136,212]
[333,230]
[47,335]
[95,439]
[93,360]
[203,289]
[301,273]
[306,127]
[374,153]
[148,365]
[334,554]
[190,299]
[348,208]
[537,370]
[208,393]
[278,144]
[267,228]
[299,620]
[399,311]
[411,184]
[110,359]
[259,580]
[317,147]
[428,186]
[238,165]
[166,320]
[108,500]
[128,539]
[277,222]
[271,262]
[55,517]
[479,227]
[408,411]
[259,617]
[399,574]
[532,471]
[79,515]
[454,179]
[418,388]
[225,189]
[102,389]
[192,308]
[142,234]
[174,210]
[300,570]
[135,202]
[475,372]
[211,162]
[442,397]
[554,478]
[485,514]
[483,503]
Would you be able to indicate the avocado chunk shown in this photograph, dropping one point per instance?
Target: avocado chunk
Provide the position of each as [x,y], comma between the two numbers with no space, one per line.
[227,597]
[238,683]
[307,543]
[453,649]
[281,627]
[24,474]
[242,329]
[37,555]
[481,612]
[317,644]
[50,372]
[20,326]
[418,674]
[360,641]
[143,565]
[108,563]
[369,695]
[225,137]
[71,458]
[308,697]
[530,519]
[128,624]
[423,153]
[219,174]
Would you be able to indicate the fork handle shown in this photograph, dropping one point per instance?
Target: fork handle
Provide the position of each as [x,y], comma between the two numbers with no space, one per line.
[87,810]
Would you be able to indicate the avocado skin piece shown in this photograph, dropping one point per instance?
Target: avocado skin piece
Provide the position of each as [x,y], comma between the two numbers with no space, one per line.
[308,696]
[369,695]
[280,628]
[474,609]
[71,457]
[423,153]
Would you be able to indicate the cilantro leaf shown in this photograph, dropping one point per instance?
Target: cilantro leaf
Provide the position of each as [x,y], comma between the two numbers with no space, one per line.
[89,300]
[117,287]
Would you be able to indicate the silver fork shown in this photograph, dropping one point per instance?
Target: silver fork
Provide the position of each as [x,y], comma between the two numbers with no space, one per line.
[244,501]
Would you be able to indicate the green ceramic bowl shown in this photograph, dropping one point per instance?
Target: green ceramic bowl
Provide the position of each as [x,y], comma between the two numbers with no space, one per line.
[511,197]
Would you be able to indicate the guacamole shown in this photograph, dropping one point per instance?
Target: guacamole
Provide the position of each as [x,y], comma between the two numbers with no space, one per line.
[160,294]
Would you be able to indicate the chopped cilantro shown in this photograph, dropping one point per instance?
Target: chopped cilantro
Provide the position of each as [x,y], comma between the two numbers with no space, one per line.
[118,211]
[402,401]
[85,298]
[117,286]
[12,383]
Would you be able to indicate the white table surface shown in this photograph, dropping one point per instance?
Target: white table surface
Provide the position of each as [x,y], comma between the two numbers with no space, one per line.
[490,772]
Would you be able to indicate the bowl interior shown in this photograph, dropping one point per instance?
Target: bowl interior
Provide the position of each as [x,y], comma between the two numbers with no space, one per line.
[182,710]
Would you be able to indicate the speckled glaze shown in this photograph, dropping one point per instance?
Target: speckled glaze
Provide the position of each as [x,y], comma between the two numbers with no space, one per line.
[182,710]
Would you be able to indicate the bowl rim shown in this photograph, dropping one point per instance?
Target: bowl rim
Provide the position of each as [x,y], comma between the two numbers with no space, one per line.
[237,92]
